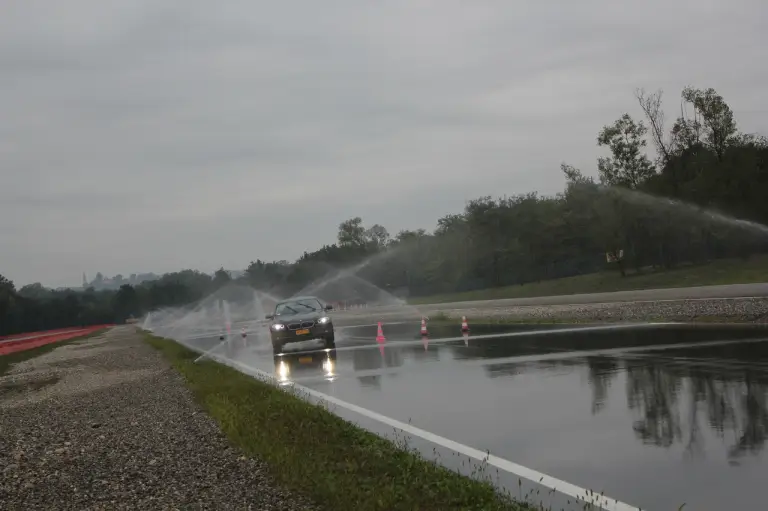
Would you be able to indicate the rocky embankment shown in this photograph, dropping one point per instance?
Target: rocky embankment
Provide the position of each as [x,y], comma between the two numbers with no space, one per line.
[730,309]
[744,310]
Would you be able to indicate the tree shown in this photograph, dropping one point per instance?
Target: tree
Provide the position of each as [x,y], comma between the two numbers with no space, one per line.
[221,278]
[627,166]
[6,285]
[7,295]
[377,236]
[710,124]
[351,233]
[126,303]
[713,117]
[651,105]
[35,290]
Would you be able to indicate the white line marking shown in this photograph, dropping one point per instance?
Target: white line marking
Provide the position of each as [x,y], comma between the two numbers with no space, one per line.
[582,494]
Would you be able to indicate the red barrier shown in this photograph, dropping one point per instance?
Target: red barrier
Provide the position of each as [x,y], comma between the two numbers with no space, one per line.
[31,341]
[41,333]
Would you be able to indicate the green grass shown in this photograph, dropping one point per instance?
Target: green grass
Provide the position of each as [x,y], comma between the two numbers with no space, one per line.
[727,271]
[6,361]
[310,450]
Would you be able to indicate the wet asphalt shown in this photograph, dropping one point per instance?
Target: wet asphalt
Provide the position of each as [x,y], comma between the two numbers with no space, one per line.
[653,415]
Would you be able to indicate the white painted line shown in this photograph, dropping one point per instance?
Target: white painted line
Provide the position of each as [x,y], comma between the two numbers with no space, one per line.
[582,494]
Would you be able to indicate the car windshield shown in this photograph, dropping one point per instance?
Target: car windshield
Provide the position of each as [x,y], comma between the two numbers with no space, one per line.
[297,307]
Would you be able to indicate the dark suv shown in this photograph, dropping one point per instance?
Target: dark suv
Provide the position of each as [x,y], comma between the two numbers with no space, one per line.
[300,319]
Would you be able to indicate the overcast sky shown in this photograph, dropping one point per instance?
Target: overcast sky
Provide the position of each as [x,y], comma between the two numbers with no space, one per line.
[146,135]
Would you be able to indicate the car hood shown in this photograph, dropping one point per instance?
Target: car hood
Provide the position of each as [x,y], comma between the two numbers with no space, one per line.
[295,318]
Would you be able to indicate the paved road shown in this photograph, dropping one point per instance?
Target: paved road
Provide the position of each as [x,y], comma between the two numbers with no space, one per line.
[606,408]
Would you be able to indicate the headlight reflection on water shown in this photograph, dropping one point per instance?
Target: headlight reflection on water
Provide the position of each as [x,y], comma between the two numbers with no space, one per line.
[330,369]
[283,372]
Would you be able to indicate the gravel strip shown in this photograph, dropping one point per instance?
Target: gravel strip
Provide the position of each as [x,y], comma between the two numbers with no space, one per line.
[737,310]
[108,424]
[727,309]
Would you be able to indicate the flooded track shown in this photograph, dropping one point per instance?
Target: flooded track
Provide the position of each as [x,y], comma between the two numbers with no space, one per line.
[654,415]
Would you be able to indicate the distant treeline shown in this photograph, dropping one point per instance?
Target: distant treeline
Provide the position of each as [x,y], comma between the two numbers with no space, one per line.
[642,212]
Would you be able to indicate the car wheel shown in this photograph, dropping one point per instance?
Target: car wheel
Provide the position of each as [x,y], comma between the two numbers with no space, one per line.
[277,347]
[330,341]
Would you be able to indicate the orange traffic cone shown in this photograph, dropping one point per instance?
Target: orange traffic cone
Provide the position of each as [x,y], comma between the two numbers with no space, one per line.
[424,327]
[380,334]
[464,325]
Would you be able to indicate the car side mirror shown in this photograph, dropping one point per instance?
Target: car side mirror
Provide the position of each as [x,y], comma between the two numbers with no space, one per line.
[269,316]
[329,307]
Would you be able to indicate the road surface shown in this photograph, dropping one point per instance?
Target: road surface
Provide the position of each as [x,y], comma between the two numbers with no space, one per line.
[620,409]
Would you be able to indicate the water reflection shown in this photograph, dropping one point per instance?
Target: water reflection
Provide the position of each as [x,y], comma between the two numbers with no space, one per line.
[601,372]
[370,360]
[289,366]
[684,396]
[674,395]
[673,399]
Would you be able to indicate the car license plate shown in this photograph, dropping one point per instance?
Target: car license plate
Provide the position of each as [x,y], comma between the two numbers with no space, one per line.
[304,331]
[305,360]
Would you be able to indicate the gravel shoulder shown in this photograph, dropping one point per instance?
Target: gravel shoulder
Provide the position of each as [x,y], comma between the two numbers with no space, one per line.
[752,310]
[724,309]
[106,423]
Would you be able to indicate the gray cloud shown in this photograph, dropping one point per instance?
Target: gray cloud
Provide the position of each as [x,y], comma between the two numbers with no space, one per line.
[140,136]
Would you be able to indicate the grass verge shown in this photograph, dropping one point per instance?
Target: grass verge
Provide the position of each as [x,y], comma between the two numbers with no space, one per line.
[6,361]
[312,451]
[727,271]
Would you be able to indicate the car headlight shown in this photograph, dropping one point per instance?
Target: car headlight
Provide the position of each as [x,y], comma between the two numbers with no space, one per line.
[277,326]
[323,320]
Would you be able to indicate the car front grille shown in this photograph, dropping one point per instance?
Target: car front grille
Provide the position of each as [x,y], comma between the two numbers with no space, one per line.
[303,324]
